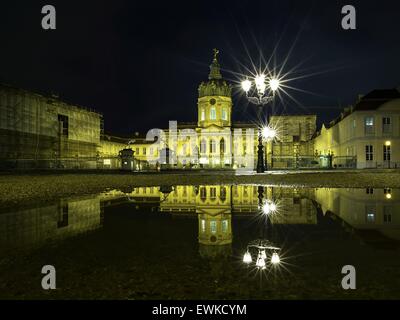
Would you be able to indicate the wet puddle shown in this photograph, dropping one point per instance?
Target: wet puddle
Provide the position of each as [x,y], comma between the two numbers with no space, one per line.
[205,242]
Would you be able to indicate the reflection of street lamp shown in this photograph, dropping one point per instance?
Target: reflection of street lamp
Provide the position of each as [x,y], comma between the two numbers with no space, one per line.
[387,152]
[264,93]
[265,251]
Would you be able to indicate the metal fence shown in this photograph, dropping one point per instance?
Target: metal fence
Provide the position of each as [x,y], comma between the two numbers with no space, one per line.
[289,162]
[344,162]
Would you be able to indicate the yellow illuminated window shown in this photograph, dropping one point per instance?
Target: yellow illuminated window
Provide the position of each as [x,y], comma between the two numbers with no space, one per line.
[213,226]
[224,114]
[213,114]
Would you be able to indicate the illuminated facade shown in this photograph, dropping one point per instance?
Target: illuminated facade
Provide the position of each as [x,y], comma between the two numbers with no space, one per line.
[366,135]
[214,141]
[39,131]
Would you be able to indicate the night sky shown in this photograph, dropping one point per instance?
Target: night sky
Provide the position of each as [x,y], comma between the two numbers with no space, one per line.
[140,62]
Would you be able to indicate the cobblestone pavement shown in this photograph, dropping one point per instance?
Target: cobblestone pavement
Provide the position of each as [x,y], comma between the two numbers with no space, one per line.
[18,189]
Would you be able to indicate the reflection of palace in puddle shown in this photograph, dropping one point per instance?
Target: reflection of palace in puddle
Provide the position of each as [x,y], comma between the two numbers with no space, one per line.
[29,228]
[371,214]
[214,205]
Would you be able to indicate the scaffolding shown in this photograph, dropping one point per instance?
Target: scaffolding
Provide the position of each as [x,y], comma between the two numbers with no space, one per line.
[37,131]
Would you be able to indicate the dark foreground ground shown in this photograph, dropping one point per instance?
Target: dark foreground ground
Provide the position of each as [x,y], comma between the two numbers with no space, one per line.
[47,186]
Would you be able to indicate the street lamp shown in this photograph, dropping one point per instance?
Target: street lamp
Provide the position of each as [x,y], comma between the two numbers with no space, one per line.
[268,133]
[263,93]
[264,89]
[269,207]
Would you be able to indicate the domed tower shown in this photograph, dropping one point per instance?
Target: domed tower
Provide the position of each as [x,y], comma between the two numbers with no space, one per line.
[215,102]
[213,208]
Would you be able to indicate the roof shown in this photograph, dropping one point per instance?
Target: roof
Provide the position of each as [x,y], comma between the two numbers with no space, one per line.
[113,138]
[371,101]
[385,94]
[50,98]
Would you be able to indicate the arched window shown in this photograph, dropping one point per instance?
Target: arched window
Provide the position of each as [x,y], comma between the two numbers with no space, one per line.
[224,114]
[203,194]
[222,146]
[213,146]
[213,114]
[203,115]
[222,194]
[203,146]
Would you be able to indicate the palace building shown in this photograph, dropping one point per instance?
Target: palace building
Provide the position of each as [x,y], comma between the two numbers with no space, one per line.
[42,131]
[214,141]
[365,135]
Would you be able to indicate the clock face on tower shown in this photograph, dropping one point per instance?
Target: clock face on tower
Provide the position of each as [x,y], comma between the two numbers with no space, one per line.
[213,101]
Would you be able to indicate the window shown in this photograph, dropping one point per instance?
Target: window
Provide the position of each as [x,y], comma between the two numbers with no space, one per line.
[203,146]
[386,125]
[203,193]
[63,125]
[213,147]
[213,193]
[224,114]
[387,214]
[222,146]
[369,153]
[203,115]
[370,214]
[387,191]
[224,226]
[137,151]
[386,153]
[369,190]
[213,114]
[369,125]
[213,226]
[63,216]
[203,225]
[144,151]
[222,194]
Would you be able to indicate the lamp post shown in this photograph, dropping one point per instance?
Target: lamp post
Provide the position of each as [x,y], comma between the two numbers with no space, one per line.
[262,93]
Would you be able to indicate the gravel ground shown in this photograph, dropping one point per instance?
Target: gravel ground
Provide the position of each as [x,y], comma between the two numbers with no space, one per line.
[24,188]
